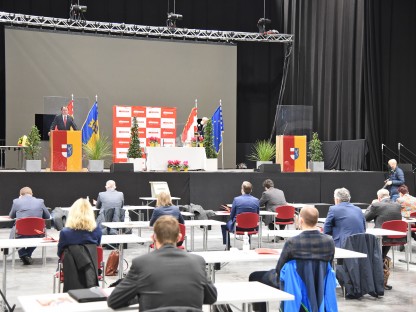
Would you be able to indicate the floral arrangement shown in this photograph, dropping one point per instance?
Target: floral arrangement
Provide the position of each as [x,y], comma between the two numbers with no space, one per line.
[193,139]
[22,140]
[185,165]
[154,140]
[174,164]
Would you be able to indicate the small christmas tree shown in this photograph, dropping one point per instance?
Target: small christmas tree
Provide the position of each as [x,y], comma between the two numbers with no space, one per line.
[209,140]
[134,149]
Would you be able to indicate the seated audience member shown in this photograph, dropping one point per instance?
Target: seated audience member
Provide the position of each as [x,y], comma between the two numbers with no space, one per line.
[310,244]
[343,219]
[381,210]
[271,198]
[406,201]
[394,180]
[23,207]
[166,277]
[165,207]
[243,203]
[80,227]
[110,204]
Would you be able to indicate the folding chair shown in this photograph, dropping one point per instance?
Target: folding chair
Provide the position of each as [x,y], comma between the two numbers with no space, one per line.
[30,226]
[245,222]
[395,240]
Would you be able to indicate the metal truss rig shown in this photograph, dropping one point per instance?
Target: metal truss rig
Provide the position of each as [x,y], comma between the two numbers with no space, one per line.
[53,23]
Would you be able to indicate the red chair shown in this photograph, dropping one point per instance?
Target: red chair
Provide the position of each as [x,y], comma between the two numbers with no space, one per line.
[246,222]
[59,275]
[398,240]
[284,213]
[182,229]
[30,226]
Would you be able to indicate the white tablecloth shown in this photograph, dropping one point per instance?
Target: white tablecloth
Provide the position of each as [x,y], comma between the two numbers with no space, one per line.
[157,157]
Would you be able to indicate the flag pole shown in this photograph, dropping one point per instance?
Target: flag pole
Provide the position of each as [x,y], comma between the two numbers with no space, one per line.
[96,98]
[222,143]
[72,97]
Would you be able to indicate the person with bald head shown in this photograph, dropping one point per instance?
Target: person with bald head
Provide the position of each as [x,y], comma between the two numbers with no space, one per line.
[310,244]
[110,204]
[243,203]
[23,207]
[395,179]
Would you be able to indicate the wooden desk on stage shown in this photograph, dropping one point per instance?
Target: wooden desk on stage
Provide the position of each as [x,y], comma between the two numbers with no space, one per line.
[157,157]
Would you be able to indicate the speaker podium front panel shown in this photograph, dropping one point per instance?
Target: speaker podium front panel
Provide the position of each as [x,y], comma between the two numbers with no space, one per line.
[291,152]
[66,150]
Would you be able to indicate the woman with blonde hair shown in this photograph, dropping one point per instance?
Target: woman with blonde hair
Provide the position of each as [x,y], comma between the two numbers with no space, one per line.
[80,227]
[164,207]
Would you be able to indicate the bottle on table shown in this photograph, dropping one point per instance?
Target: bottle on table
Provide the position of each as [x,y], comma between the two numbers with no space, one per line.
[246,242]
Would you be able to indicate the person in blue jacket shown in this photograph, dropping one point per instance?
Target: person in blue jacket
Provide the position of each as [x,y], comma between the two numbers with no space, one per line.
[395,179]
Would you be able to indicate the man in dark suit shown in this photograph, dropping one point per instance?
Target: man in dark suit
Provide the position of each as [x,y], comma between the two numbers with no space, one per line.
[23,207]
[343,219]
[271,198]
[310,244]
[63,121]
[166,277]
[243,203]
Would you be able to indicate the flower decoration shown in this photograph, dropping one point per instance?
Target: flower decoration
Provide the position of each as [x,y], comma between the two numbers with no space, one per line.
[22,140]
[154,140]
[176,164]
[185,165]
[193,139]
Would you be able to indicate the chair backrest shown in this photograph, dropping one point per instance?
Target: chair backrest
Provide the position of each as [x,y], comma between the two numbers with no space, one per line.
[395,225]
[182,229]
[285,212]
[247,220]
[30,226]
[100,255]
[412,214]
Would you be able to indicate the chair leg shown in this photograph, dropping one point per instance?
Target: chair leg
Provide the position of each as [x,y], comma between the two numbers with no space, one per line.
[102,274]
[392,251]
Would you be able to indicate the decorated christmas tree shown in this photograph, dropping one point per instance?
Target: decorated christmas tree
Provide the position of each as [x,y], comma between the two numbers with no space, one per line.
[134,148]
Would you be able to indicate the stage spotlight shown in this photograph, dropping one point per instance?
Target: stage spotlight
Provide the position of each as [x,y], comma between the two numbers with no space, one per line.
[172,18]
[76,11]
[261,24]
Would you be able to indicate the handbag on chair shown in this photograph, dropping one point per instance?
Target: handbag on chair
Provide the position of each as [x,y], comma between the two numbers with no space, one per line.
[111,268]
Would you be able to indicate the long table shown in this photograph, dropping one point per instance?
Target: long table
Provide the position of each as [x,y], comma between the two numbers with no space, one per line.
[6,244]
[158,157]
[235,293]
[212,257]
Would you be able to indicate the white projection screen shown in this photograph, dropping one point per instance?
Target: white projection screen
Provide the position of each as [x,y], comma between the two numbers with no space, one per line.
[121,71]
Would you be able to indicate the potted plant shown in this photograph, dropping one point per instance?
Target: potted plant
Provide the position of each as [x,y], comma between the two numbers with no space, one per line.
[263,152]
[316,157]
[134,153]
[185,166]
[32,151]
[174,165]
[95,152]
[153,141]
[212,161]
[193,141]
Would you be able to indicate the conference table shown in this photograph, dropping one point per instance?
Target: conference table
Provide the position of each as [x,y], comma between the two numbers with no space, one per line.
[146,224]
[234,293]
[6,244]
[147,208]
[157,157]
[212,257]
[261,214]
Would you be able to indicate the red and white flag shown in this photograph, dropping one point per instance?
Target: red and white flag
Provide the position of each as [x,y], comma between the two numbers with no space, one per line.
[70,107]
[191,126]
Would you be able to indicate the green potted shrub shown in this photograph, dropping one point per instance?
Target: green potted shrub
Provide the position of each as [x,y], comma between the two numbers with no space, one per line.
[134,153]
[263,152]
[32,151]
[95,152]
[212,161]
[316,156]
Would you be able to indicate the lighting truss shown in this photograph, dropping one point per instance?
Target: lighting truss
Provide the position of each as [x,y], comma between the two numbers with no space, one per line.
[21,20]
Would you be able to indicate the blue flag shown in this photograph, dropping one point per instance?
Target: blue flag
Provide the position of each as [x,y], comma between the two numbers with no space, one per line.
[90,130]
[217,127]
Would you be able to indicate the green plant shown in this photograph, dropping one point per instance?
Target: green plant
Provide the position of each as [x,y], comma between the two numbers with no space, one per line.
[315,148]
[134,149]
[98,149]
[209,140]
[32,149]
[263,150]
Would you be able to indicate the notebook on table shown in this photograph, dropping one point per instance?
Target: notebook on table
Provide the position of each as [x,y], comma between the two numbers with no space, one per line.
[88,294]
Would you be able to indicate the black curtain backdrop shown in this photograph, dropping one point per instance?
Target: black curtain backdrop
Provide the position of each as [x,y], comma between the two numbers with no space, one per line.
[353,61]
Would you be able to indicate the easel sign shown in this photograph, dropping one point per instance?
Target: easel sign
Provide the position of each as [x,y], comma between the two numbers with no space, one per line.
[157,187]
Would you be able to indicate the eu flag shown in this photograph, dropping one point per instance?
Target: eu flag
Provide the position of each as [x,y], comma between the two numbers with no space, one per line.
[218,127]
[90,131]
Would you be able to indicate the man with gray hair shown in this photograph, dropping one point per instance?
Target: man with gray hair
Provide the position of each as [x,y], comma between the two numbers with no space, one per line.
[343,219]
[394,180]
[110,204]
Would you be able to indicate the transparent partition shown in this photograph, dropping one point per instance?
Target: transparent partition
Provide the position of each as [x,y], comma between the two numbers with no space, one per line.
[294,120]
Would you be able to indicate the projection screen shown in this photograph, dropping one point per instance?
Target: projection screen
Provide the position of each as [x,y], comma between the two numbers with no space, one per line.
[121,71]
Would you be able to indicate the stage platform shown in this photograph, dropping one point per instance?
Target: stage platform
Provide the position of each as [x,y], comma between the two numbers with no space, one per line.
[208,189]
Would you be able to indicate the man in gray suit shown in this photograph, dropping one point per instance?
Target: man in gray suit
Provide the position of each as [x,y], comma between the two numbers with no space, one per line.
[110,204]
[271,198]
[23,207]
[166,277]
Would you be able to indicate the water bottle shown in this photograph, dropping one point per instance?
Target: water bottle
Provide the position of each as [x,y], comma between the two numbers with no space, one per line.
[126,216]
[246,242]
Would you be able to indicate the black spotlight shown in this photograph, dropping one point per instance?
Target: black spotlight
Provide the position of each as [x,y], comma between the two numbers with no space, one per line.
[76,11]
[172,18]
[261,24]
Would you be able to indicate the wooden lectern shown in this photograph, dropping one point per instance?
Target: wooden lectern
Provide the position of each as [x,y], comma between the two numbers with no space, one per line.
[291,152]
[66,150]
